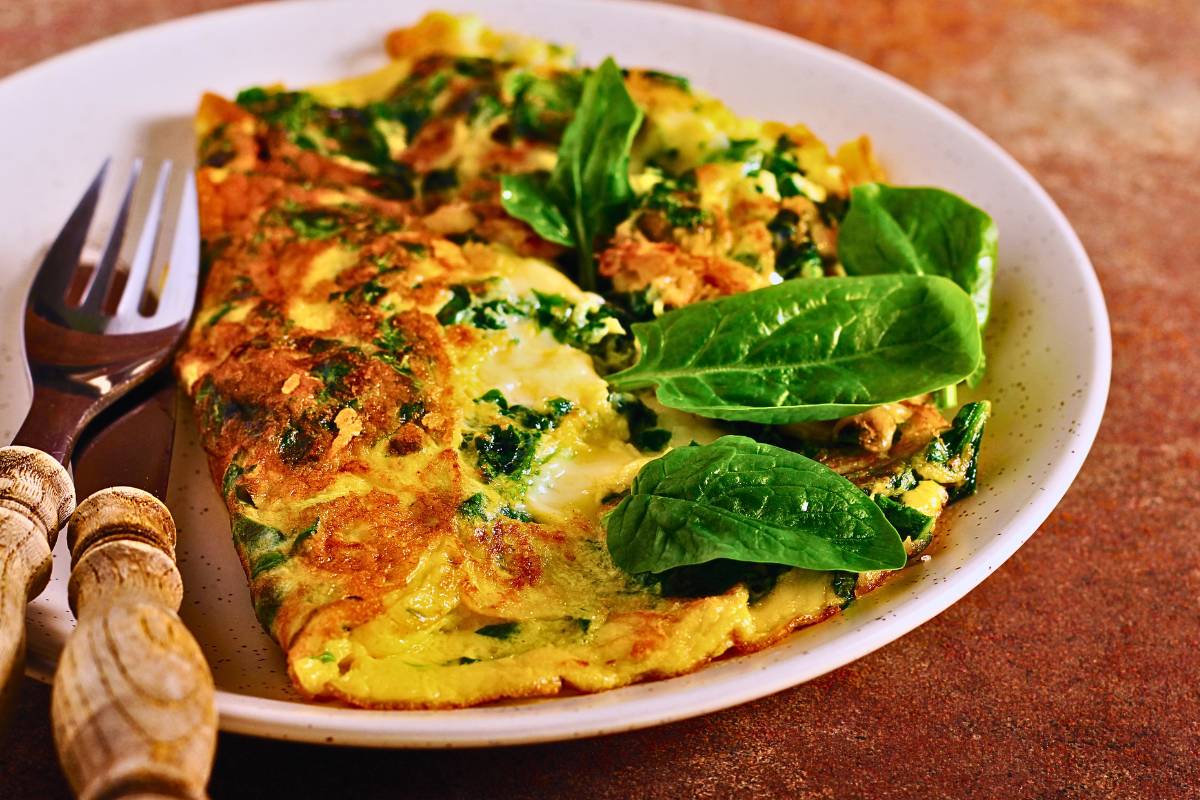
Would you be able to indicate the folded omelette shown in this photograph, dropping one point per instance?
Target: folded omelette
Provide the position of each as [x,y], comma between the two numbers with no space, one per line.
[403,399]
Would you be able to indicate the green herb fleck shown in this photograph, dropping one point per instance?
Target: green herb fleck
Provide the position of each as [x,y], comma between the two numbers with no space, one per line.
[266,606]
[504,450]
[295,443]
[542,107]
[304,535]
[474,507]
[315,223]
[369,292]
[225,308]
[459,301]
[411,412]
[528,418]
[678,81]
[501,630]
[266,562]
[843,585]
[413,102]
[232,473]
[332,373]
[515,513]
[390,336]
[254,535]
[667,197]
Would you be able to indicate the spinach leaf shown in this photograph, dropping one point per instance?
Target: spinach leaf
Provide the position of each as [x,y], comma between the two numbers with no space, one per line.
[644,433]
[953,457]
[719,576]
[744,501]
[908,521]
[588,192]
[808,350]
[527,198]
[921,231]
[500,630]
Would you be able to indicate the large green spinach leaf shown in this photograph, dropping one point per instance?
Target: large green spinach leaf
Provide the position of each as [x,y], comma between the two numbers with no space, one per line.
[740,500]
[921,231]
[808,349]
[588,192]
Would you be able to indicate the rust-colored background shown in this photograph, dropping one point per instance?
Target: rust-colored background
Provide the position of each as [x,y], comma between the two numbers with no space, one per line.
[1074,671]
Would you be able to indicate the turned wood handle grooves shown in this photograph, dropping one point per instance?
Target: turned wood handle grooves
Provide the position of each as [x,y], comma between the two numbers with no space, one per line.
[36,498]
[123,516]
[133,701]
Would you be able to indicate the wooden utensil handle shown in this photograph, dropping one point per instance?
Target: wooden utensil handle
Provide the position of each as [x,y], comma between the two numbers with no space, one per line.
[133,700]
[36,497]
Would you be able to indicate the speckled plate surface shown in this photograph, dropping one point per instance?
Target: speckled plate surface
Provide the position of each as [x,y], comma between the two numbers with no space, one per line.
[1048,344]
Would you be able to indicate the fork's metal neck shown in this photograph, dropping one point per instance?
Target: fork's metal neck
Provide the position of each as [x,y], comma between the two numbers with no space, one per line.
[44,428]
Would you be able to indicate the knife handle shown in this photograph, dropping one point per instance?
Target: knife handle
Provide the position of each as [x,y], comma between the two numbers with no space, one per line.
[133,700]
[36,498]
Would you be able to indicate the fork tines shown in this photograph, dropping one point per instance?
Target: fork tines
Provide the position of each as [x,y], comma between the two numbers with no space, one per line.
[127,271]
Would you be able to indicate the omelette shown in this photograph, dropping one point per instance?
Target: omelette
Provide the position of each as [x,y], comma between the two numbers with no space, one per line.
[403,395]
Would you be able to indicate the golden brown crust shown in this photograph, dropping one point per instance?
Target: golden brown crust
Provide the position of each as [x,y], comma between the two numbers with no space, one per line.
[677,276]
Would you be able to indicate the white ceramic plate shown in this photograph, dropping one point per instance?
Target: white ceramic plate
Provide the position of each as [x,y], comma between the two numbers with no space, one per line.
[1048,344]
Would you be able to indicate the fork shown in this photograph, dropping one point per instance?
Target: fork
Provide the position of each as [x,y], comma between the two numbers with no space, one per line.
[83,356]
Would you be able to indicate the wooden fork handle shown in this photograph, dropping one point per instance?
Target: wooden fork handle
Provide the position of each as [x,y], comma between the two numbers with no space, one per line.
[36,498]
[133,700]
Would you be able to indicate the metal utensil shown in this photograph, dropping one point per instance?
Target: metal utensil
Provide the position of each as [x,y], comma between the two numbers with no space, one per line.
[83,355]
[130,444]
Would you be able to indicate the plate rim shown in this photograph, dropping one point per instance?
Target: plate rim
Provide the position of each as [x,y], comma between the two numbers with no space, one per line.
[506,725]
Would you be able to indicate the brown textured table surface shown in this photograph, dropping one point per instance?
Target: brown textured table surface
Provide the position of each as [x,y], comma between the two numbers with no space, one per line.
[1074,671]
